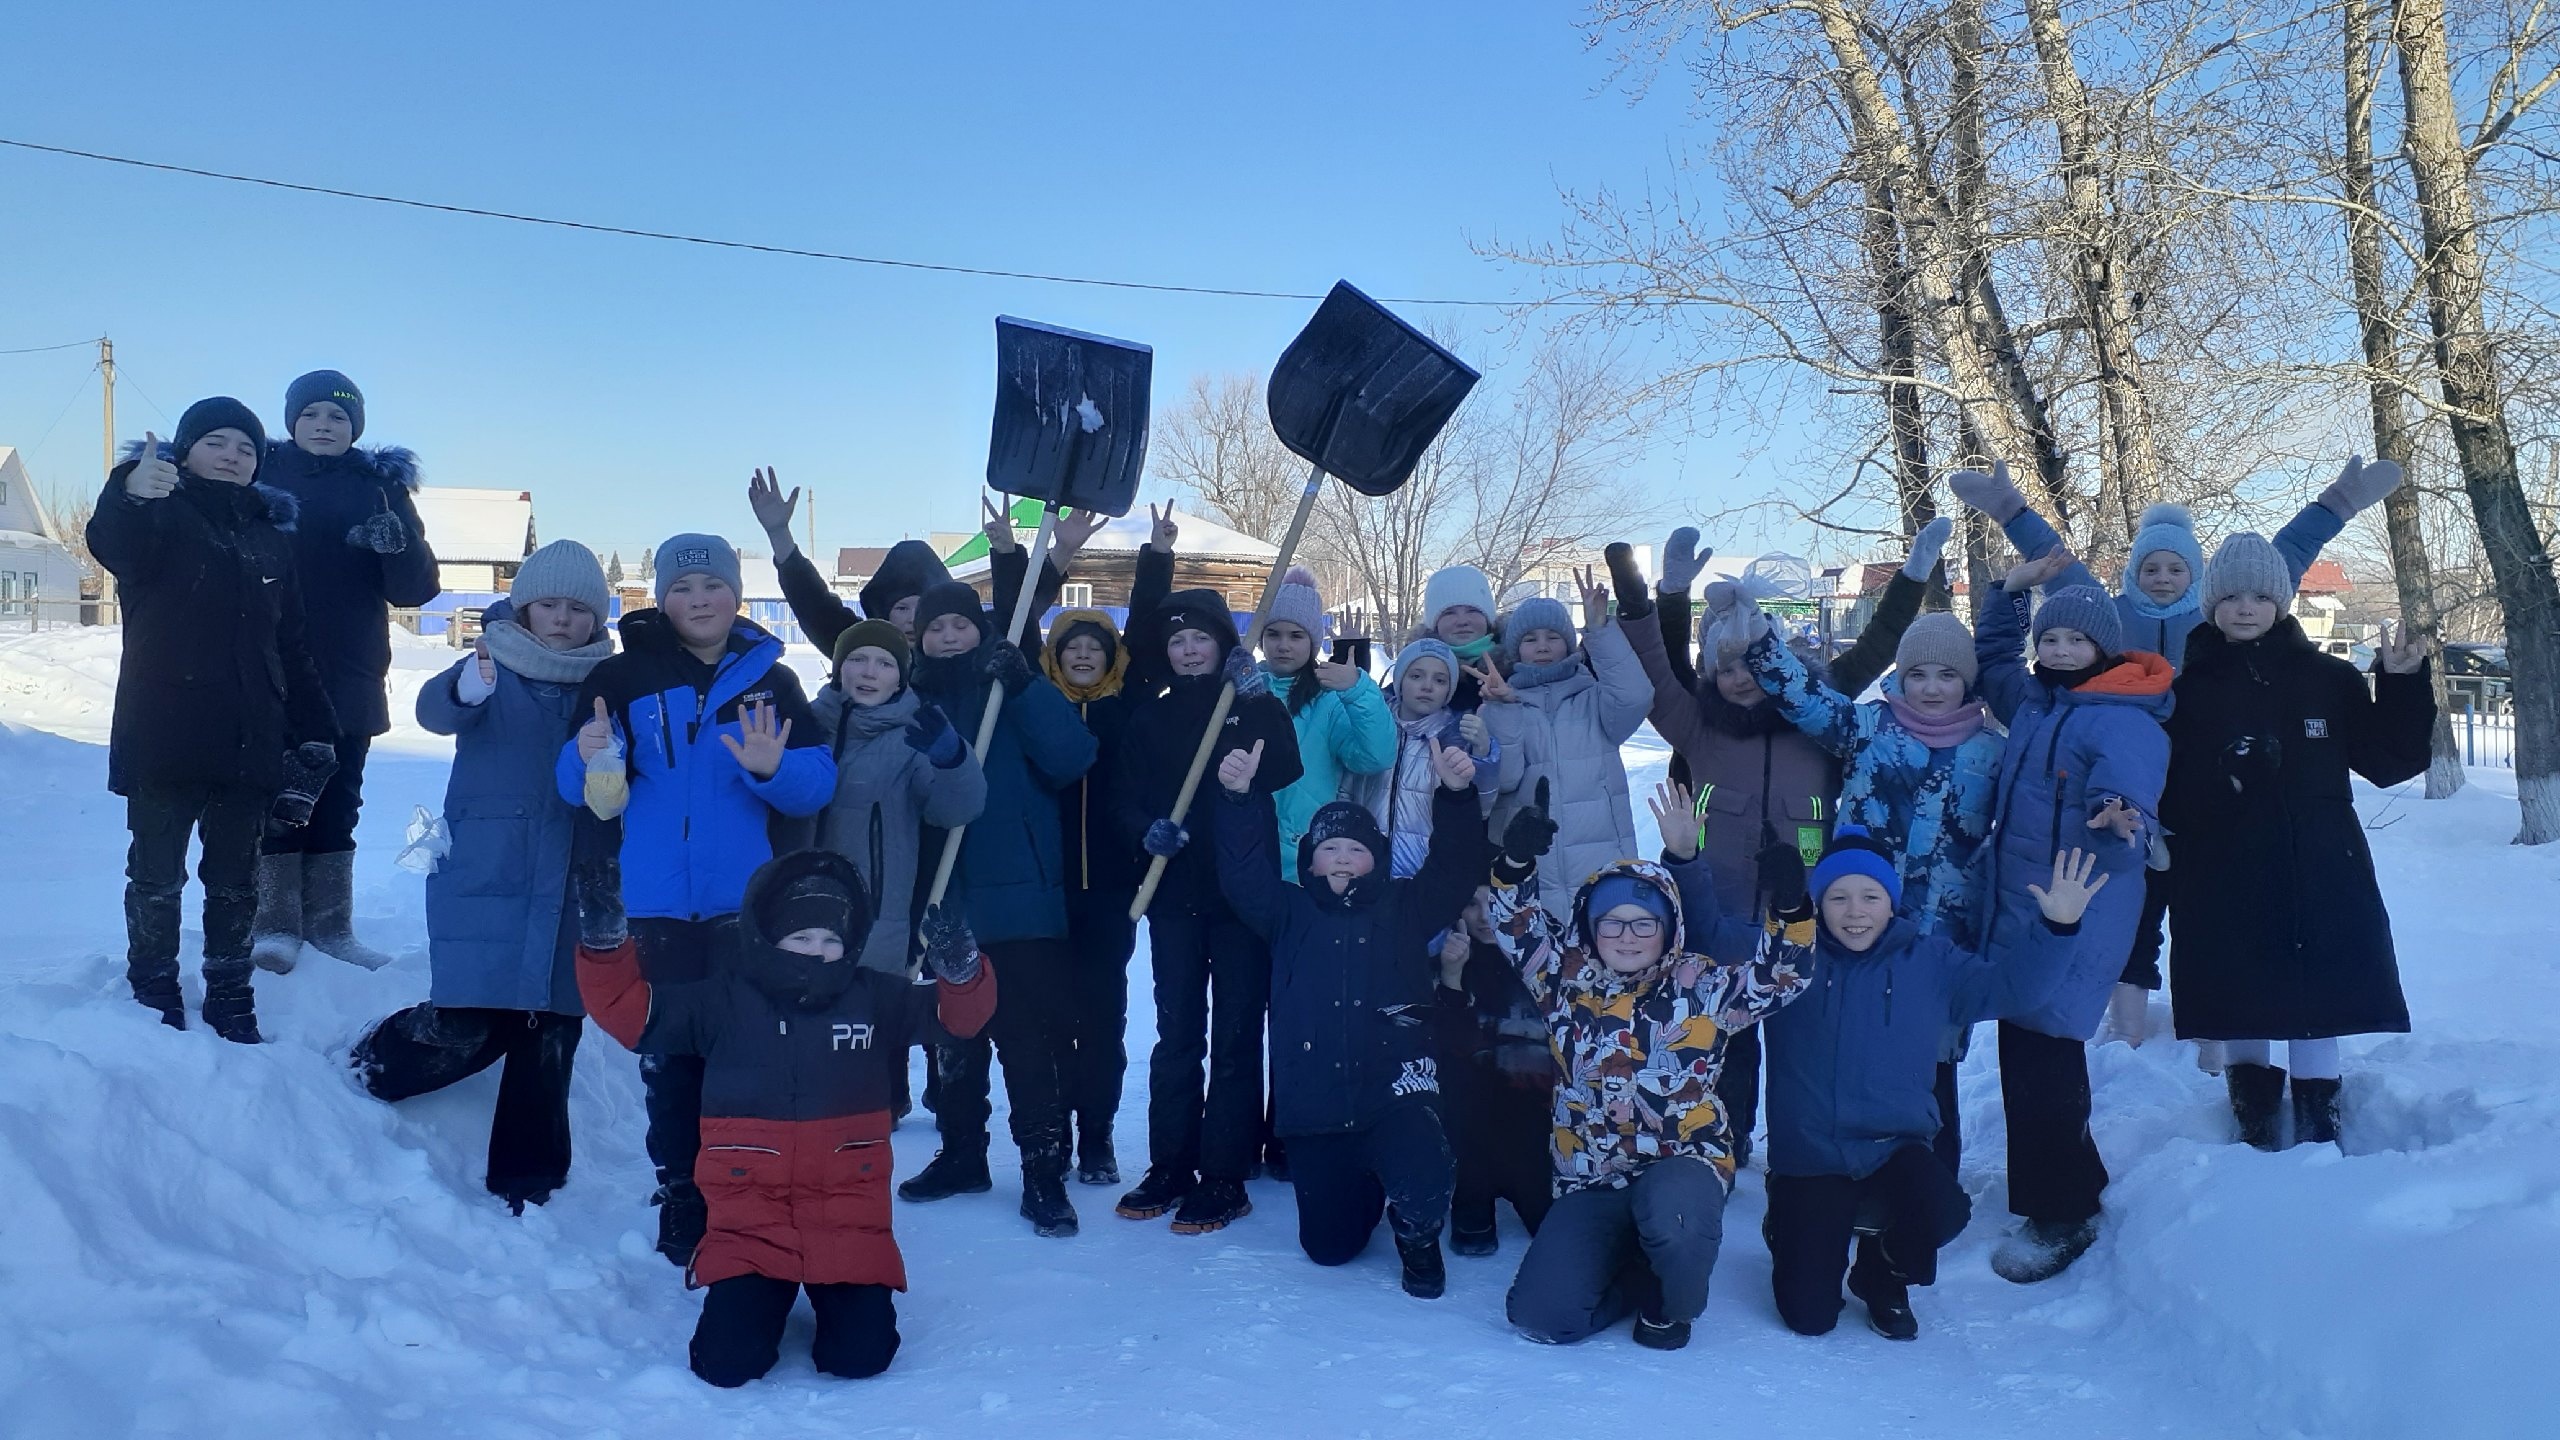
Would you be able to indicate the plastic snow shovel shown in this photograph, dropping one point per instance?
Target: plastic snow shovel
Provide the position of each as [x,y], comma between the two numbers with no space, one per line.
[1070,431]
[1359,395]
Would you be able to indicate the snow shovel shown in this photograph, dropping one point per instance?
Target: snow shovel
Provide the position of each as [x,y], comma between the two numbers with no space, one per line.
[1070,432]
[1359,395]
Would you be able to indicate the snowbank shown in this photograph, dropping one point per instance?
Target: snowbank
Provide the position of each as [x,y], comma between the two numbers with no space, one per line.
[211,1241]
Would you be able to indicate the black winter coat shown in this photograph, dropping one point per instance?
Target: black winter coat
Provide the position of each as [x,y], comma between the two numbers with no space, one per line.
[216,682]
[1155,753]
[348,590]
[2277,929]
[1354,983]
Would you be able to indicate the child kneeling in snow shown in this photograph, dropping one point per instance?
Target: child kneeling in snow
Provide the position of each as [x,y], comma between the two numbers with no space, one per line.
[1355,1089]
[1638,1022]
[796,1040]
[502,923]
[1853,1106]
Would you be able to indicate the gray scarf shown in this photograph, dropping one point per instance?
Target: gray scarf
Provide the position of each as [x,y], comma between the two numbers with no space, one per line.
[515,647]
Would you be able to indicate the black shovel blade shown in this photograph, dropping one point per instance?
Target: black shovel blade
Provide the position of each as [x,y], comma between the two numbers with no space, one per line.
[1071,416]
[1362,394]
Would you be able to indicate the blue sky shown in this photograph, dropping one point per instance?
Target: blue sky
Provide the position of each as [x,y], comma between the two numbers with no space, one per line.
[631,384]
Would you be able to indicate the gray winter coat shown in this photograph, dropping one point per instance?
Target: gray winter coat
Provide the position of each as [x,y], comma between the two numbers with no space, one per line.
[887,793]
[1566,731]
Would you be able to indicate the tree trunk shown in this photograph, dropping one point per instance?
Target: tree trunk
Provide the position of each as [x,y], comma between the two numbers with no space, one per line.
[2412,571]
[2466,368]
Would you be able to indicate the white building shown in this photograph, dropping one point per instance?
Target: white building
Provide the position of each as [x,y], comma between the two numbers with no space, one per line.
[34,563]
[479,536]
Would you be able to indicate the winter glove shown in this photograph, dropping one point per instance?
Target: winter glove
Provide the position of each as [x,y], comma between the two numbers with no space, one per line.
[2253,761]
[1926,547]
[382,533]
[1003,665]
[1993,494]
[1247,677]
[933,737]
[2359,485]
[1635,598]
[1781,874]
[1682,559]
[1531,832]
[307,768]
[950,949]
[1165,839]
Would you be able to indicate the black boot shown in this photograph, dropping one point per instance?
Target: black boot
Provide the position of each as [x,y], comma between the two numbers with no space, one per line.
[1211,1205]
[1096,1162]
[229,1006]
[1886,1294]
[1469,1239]
[2042,1249]
[1426,1276]
[2315,1111]
[682,1217]
[1157,1192]
[158,990]
[1044,1197]
[151,952]
[2257,1092]
[950,1172]
[1655,1334]
[1275,1160]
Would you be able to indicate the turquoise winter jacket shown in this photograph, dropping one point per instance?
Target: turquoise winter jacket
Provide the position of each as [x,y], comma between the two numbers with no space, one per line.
[1340,733]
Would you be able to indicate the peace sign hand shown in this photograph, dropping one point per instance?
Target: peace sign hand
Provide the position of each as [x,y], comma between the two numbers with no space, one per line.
[1490,684]
[151,477]
[1161,531]
[761,753]
[999,527]
[1595,598]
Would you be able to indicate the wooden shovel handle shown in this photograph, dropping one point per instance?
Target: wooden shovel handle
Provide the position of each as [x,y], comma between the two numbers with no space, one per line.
[995,693]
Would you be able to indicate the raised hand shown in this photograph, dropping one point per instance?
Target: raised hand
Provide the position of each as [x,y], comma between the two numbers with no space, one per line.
[931,735]
[2030,574]
[2401,653]
[999,527]
[1336,677]
[2067,899]
[950,948]
[760,754]
[2359,485]
[773,508]
[1595,597]
[596,734]
[1455,767]
[151,477]
[381,532]
[1068,536]
[2115,816]
[1161,531]
[1682,559]
[1994,494]
[1531,833]
[1927,546]
[1675,814]
[1237,770]
[1490,684]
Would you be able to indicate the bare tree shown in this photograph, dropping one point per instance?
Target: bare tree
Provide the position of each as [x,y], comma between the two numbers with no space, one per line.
[1217,443]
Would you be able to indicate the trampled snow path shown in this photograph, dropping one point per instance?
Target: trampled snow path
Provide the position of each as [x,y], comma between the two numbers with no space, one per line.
[209,1241]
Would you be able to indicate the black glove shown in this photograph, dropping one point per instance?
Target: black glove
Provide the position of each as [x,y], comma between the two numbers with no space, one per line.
[1782,876]
[1005,666]
[933,737]
[950,948]
[382,533]
[1164,838]
[1635,598]
[2253,761]
[307,768]
[1530,833]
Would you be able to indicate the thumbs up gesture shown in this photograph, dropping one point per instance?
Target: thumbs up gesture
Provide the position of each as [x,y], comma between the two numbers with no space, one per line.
[1237,770]
[1531,832]
[151,477]
[596,735]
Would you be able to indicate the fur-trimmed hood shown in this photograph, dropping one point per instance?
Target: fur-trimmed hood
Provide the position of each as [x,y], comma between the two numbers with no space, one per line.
[397,464]
[284,511]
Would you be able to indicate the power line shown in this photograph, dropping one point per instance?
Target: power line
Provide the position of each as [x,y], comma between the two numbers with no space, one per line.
[40,349]
[717,243]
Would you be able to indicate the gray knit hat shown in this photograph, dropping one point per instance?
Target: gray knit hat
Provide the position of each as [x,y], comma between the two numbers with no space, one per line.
[1938,638]
[1538,612]
[1298,602]
[562,570]
[684,555]
[2247,565]
[2084,608]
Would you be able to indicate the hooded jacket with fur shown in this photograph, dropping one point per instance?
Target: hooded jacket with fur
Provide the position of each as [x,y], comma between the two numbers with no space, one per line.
[349,590]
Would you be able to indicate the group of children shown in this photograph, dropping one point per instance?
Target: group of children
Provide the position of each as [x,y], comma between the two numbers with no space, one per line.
[1427,894]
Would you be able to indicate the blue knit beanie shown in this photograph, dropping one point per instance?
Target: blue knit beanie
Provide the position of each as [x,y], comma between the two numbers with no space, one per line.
[691,554]
[2170,528]
[1430,647]
[1538,612]
[2084,608]
[326,385]
[1620,888]
[1853,851]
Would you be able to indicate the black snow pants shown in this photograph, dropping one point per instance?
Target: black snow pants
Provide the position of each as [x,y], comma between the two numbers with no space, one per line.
[155,872]
[1397,1167]
[1900,1216]
[1213,983]
[428,1047]
[2055,1172]
[740,1333]
[1500,1130]
[673,952]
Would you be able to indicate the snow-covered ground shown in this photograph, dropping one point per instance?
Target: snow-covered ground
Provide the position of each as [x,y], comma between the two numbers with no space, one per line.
[203,1240]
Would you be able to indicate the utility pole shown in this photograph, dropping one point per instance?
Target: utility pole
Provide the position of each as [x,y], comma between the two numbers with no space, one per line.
[107,369]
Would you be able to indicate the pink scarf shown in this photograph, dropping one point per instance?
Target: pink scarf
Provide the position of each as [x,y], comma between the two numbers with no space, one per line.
[1941,731]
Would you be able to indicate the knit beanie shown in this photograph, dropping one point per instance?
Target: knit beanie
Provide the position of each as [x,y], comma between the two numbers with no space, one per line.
[691,554]
[1449,588]
[562,570]
[1298,601]
[1938,638]
[2247,565]
[908,568]
[2084,608]
[1202,610]
[951,597]
[817,901]
[1620,888]
[328,385]
[220,412]
[1538,612]
[1341,820]
[2164,527]
[1427,648]
[1853,851]
[879,635]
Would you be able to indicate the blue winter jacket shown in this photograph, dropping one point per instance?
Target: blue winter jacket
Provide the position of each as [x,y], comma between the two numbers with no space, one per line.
[2299,542]
[1932,808]
[1853,1063]
[697,827]
[501,933]
[1011,879]
[2069,752]
[1341,733]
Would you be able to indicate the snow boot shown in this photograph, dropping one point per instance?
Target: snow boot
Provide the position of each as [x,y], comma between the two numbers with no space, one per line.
[1157,1192]
[1426,1275]
[229,1005]
[275,937]
[1887,1296]
[1044,1196]
[2257,1092]
[1655,1334]
[2209,1056]
[951,1171]
[2315,1112]
[2129,1014]
[329,910]
[1097,1163]
[2042,1249]
[1472,1241]
[683,1216]
[151,952]
[1211,1205]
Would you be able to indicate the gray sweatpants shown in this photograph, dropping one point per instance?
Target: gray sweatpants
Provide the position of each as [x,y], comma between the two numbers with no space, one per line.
[1604,1254]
